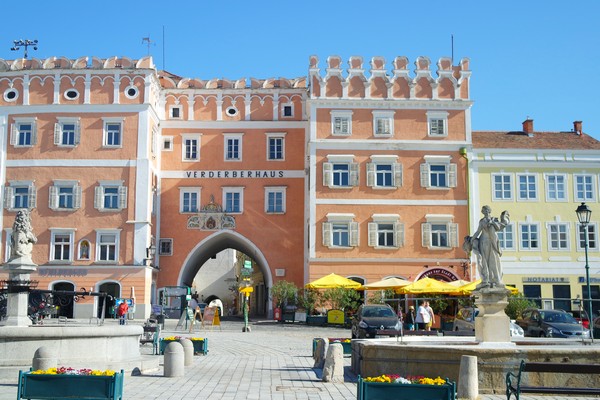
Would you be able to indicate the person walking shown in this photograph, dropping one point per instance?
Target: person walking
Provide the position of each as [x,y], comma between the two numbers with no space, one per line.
[423,317]
[122,312]
[410,318]
[431,315]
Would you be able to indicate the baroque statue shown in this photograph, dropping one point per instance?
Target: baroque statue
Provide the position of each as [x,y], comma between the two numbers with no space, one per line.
[22,238]
[486,246]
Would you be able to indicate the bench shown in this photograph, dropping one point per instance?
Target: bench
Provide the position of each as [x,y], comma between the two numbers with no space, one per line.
[151,335]
[515,386]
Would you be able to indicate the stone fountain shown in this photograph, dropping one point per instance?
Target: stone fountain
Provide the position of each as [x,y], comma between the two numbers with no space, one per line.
[87,346]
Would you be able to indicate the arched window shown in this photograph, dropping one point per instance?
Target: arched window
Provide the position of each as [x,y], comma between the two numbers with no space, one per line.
[84,251]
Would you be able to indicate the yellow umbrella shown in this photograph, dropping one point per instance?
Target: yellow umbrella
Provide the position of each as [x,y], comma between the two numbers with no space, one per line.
[469,287]
[459,283]
[427,285]
[333,281]
[388,283]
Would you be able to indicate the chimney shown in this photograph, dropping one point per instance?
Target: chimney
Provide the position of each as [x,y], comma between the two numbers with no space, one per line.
[577,127]
[528,126]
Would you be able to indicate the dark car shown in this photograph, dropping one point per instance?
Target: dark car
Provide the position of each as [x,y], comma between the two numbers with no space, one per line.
[373,317]
[551,323]
[582,317]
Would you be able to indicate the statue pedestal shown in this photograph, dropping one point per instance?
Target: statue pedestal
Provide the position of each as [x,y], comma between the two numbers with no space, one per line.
[17,301]
[492,324]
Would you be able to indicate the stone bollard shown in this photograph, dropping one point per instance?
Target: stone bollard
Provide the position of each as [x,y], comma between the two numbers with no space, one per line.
[320,353]
[468,381]
[188,351]
[174,360]
[333,370]
[44,358]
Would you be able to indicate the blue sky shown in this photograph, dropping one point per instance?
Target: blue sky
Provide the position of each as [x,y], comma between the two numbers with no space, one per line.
[534,58]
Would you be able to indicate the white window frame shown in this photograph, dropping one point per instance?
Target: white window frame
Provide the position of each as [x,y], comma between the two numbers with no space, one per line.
[162,241]
[503,176]
[54,232]
[232,136]
[342,115]
[276,190]
[121,196]
[518,186]
[178,107]
[273,136]
[592,243]
[550,176]
[100,244]
[10,196]
[539,236]
[374,231]
[105,136]
[396,171]
[329,172]
[15,131]
[593,189]
[59,131]
[439,219]
[550,234]
[450,172]
[55,195]
[189,190]
[233,189]
[283,107]
[184,146]
[508,229]
[433,120]
[383,116]
[165,146]
[340,219]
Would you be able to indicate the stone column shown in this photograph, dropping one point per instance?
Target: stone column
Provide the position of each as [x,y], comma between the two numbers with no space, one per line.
[492,324]
[18,293]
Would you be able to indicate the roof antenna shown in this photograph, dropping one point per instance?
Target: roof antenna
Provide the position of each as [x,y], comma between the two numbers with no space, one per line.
[24,43]
[149,42]
[452,45]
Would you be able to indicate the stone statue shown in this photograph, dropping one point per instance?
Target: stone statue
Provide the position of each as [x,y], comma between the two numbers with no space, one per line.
[22,238]
[486,246]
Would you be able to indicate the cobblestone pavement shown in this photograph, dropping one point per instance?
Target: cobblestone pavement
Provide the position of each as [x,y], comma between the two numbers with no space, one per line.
[274,361]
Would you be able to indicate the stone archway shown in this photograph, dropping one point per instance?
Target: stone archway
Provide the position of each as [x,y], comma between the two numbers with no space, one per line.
[217,242]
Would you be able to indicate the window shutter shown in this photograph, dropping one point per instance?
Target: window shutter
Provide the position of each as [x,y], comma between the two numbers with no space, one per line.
[9,197]
[327,174]
[33,133]
[327,234]
[399,234]
[98,197]
[353,234]
[14,134]
[354,174]
[77,133]
[371,174]
[57,133]
[53,200]
[426,234]
[452,175]
[397,174]
[453,235]
[424,175]
[77,196]
[372,234]
[122,197]
[32,197]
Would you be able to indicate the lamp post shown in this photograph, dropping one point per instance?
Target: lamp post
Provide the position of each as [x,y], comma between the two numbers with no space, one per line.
[583,215]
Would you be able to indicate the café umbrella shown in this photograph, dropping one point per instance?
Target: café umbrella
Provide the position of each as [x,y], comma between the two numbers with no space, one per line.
[468,288]
[333,281]
[427,286]
[388,283]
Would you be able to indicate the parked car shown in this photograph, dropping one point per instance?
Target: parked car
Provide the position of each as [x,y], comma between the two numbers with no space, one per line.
[551,323]
[370,318]
[597,328]
[581,317]
[465,321]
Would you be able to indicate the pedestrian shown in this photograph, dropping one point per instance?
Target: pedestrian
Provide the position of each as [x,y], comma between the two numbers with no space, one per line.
[410,319]
[423,317]
[431,315]
[122,312]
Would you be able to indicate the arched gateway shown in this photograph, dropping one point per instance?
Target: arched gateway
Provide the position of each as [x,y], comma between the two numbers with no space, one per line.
[216,243]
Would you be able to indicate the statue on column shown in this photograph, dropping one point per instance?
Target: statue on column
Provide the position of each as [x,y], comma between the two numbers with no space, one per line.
[22,239]
[486,246]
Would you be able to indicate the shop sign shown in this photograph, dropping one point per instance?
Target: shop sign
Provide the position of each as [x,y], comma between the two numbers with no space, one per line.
[545,279]
[581,279]
[439,272]
[62,272]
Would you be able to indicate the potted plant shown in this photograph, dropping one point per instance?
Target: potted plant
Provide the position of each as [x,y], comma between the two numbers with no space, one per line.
[200,344]
[391,387]
[340,299]
[283,294]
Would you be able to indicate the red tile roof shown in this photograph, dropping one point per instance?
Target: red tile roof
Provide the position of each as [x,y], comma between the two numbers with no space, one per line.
[535,140]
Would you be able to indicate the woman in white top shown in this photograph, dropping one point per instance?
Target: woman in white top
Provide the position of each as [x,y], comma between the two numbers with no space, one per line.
[423,316]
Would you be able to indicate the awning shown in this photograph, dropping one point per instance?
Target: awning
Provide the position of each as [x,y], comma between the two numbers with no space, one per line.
[333,281]
[388,283]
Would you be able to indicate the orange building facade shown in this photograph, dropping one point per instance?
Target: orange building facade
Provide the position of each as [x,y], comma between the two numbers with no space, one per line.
[355,172]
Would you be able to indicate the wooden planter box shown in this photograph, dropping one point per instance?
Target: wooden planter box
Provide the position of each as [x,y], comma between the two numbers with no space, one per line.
[316,319]
[399,391]
[200,346]
[41,386]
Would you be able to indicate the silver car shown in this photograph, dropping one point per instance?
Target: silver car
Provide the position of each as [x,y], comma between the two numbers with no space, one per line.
[465,321]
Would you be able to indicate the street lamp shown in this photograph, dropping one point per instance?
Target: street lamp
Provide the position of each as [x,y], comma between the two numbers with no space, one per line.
[583,215]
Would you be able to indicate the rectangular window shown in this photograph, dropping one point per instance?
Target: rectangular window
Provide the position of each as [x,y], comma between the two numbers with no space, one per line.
[437,176]
[592,229]
[383,123]
[341,175]
[287,110]
[175,112]
[112,134]
[436,127]
[585,188]
[439,235]
[507,237]
[275,148]
[165,247]
[502,187]
[189,201]
[439,232]
[107,247]
[233,199]
[437,122]
[530,237]
[558,236]
[385,235]
[556,188]
[61,247]
[341,122]
[275,200]
[65,195]
[233,148]
[25,136]
[190,147]
[19,195]
[438,173]
[110,196]
[23,132]
[527,187]
[167,143]
[341,234]
[384,176]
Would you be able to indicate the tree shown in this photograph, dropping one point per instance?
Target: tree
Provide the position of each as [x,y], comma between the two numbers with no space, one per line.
[341,298]
[516,304]
[309,299]
[283,293]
